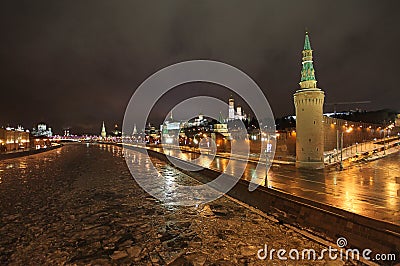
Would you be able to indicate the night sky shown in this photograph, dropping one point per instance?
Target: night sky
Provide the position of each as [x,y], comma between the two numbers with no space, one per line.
[77,63]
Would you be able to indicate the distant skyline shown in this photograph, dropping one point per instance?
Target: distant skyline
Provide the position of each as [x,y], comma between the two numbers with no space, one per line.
[76,64]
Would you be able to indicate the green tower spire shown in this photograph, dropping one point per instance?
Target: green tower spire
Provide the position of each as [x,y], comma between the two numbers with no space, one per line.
[220,118]
[307,45]
[308,80]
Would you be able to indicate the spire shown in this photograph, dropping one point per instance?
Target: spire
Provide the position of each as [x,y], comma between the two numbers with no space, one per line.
[134,129]
[103,133]
[308,80]
[220,118]
[307,45]
[169,118]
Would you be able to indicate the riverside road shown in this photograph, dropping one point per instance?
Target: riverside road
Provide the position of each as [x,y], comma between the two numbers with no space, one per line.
[370,189]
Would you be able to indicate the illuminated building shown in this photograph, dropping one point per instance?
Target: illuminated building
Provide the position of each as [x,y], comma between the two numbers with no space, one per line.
[232,115]
[309,101]
[67,132]
[231,109]
[116,132]
[42,130]
[152,135]
[170,130]
[41,142]
[221,127]
[13,139]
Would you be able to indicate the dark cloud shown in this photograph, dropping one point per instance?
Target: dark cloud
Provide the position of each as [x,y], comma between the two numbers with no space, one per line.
[74,64]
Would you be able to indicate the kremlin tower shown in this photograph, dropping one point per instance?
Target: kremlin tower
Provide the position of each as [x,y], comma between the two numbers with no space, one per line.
[103,133]
[309,101]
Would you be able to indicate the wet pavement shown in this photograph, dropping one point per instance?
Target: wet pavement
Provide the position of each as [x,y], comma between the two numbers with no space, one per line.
[79,205]
[370,189]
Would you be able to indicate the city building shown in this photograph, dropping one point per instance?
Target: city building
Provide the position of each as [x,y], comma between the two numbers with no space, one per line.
[235,115]
[41,142]
[170,130]
[117,132]
[14,139]
[42,130]
[152,134]
[231,109]
[309,101]
[67,132]
[222,129]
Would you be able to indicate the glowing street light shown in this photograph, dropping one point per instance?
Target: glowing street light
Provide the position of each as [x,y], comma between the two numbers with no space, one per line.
[350,129]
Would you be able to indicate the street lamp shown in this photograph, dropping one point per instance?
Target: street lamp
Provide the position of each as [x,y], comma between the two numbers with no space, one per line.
[337,145]
[341,147]
[267,152]
[384,136]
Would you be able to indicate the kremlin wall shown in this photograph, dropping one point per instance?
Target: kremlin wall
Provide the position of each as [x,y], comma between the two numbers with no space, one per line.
[361,132]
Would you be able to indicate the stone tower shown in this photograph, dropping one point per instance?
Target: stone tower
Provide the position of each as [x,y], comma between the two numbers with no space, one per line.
[309,101]
[231,111]
[103,133]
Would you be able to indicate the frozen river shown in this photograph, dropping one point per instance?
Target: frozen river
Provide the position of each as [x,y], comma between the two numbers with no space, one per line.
[79,204]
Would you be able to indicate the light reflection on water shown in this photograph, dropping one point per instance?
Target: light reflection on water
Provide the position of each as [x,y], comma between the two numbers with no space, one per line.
[22,165]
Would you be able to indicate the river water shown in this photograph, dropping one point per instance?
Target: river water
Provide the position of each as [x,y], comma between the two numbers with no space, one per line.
[80,205]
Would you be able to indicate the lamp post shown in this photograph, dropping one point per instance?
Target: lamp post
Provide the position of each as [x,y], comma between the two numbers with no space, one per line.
[384,136]
[341,152]
[341,147]
[337,145]
[267,151]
